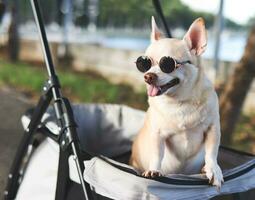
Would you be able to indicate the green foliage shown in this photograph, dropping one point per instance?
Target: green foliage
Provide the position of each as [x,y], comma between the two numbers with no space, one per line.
[25,10]
[120,13]
[180,15]
[134,13]
[232,25]
[85,87]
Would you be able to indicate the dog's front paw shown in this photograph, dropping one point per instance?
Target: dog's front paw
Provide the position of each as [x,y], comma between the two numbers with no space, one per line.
[213,173]
[151,174]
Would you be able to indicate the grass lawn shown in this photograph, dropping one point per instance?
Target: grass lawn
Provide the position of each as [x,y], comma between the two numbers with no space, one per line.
[90,87]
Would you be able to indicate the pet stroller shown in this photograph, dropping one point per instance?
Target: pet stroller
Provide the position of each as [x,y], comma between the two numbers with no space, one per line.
[81,152]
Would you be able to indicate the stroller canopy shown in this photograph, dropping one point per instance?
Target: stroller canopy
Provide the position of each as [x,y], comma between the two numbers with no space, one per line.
[107,131]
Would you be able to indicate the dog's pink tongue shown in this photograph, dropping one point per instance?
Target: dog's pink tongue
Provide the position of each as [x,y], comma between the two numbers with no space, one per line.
[152,90]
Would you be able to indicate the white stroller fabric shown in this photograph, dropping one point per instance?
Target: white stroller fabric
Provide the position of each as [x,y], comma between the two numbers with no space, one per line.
[108,130]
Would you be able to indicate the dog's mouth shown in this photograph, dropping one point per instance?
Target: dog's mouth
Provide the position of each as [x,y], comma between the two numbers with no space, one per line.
[154,90]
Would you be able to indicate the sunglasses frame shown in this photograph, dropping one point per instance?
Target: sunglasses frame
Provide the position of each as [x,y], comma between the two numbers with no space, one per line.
[177,64]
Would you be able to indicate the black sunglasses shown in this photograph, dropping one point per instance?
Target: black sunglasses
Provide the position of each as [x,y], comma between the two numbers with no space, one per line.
[167,64]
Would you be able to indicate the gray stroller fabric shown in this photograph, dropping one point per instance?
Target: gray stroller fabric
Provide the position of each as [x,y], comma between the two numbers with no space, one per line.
[108,131]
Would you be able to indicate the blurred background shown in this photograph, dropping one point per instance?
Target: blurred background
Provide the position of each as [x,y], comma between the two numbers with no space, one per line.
[94,44]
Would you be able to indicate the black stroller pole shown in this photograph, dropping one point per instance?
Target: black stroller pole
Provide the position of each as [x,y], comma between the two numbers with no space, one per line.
[67,139]
[158,9]
[47,56]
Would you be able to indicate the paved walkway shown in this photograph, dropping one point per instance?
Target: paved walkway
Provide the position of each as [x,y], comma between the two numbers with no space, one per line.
[12,106]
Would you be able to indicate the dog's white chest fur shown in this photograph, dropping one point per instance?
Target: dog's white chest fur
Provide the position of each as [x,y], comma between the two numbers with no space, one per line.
[182,127]
[179,117]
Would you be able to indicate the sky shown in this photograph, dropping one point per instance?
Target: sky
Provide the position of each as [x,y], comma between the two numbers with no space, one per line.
[237,10]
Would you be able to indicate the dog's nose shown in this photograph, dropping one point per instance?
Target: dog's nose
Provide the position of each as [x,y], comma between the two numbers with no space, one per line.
[150,78]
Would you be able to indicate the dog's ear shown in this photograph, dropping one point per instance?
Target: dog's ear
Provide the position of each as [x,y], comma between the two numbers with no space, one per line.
[196,37]
[155,32]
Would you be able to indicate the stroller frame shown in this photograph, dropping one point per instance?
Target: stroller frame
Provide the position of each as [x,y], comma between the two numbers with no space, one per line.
[67,139]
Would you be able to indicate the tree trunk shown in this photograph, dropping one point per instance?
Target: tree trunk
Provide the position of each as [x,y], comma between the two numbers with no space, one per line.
[2,10]
[236,88]
[13,34]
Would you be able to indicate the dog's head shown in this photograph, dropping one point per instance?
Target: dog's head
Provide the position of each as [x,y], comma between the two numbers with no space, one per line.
[168,64]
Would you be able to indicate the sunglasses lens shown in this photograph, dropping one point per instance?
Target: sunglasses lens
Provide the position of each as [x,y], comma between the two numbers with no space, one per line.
[143,63]
[167,64]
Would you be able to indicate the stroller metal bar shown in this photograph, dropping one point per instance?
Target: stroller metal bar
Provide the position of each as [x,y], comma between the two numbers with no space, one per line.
[43,38]
[59,102]
[64,116]
[46,51]
[158,8]
[73,138]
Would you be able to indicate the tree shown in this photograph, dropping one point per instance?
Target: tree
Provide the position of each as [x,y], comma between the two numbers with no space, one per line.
[236,88]
[13,34]
[2,10]
[137,14]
